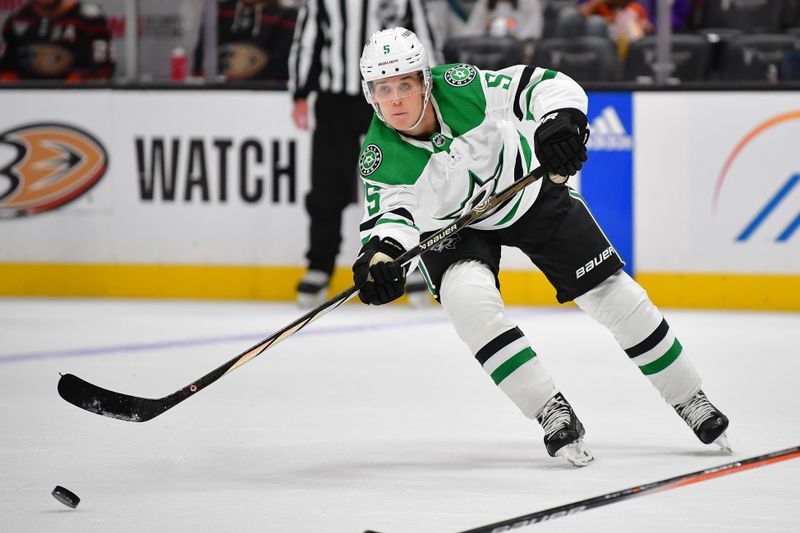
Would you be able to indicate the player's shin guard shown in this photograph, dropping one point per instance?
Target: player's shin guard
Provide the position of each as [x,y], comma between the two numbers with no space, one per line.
[621,305]
[473,303]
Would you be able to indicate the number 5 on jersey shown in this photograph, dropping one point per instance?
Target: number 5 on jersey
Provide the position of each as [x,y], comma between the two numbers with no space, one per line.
[373,199]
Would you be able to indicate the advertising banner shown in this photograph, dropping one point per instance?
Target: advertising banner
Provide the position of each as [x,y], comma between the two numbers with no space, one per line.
[717,182]
[155,177]
[607,180]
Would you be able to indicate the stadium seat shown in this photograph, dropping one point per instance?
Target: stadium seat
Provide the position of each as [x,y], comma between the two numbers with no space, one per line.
[791,14]
[690,55]
[586,58]
[552,9]
[753,16]
[486,52]
[756,57]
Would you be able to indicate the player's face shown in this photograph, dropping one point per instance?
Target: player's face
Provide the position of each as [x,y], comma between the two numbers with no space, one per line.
[400,99]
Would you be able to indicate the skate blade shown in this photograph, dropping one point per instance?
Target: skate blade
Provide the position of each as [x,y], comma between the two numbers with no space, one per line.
[722,442]
[576,454]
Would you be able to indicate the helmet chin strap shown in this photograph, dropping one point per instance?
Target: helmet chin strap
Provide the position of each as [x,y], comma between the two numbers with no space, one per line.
[422,113]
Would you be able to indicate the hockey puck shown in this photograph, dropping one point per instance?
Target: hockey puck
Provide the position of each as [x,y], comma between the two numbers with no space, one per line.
[65,496]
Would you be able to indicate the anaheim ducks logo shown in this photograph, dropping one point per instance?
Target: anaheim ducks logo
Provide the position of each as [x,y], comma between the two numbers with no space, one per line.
[240,61]
[54,165]
[47,59]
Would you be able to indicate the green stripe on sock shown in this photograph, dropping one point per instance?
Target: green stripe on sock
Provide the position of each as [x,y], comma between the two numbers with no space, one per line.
[664,361]
[513,363]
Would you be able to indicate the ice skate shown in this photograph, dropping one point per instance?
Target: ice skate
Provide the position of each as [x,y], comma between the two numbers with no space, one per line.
[312,290]
[563,432]
[417,290]
[707,422]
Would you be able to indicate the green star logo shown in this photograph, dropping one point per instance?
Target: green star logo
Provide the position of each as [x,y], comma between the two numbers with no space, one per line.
[476,181]
[460,75]
[370,160]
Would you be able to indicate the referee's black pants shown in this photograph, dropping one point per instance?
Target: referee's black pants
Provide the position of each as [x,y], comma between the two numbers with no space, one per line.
[341,120]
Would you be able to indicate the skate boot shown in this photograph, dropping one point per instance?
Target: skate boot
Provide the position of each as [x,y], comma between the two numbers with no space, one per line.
[312,289]
[707,422]
[563,432]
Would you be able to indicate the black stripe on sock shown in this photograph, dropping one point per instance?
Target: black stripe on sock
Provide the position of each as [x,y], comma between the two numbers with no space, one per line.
[651,341]
[497,344]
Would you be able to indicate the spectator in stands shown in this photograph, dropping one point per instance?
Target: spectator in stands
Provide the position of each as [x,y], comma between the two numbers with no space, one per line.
[56,40]
[519,18]
[681,13]
[448,18]
[254,38]
[627,21]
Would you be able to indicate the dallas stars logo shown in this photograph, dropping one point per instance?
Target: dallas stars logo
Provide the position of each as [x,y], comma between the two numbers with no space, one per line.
[475,180]
[460,75]
[370,160]
[449,243]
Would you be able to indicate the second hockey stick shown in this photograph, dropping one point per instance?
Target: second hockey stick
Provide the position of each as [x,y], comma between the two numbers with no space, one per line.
[121,406]
[656,486]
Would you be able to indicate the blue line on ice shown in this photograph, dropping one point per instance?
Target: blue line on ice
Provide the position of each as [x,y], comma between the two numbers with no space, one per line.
[185,343]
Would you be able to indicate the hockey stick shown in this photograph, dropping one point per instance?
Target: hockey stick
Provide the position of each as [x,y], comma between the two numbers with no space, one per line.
[137,409]
[657,486]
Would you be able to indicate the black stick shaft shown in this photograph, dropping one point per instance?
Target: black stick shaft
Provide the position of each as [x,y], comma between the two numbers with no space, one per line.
[136,409]
[657,486]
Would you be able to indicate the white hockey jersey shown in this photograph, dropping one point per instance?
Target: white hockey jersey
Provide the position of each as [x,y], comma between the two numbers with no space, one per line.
[486,120]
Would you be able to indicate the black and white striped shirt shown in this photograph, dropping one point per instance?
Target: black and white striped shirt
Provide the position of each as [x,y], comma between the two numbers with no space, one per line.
[330,35]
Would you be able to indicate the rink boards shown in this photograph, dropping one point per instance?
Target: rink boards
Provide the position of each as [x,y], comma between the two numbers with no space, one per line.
[200,194]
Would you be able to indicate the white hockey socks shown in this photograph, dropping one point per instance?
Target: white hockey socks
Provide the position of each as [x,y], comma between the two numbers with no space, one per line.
[473,303]
[622,305]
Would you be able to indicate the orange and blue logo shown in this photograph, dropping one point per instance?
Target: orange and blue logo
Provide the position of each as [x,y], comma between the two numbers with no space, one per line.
[54,165]
[780,196]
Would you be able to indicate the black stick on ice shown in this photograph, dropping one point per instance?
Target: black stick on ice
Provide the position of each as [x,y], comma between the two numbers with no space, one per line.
[136,409]
[657,486]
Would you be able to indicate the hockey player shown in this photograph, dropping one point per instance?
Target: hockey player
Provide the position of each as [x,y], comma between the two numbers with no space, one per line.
[443,139]
[253,40]
[56,39]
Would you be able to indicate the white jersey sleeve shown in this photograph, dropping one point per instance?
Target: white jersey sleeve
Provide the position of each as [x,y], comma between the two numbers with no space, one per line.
[524,94]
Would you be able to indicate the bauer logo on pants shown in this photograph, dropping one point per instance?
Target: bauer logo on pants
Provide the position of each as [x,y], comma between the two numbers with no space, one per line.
[370,160]
[54,165]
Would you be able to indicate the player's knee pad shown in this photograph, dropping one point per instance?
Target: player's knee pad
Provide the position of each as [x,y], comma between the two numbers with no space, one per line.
[470,298]
[622,305]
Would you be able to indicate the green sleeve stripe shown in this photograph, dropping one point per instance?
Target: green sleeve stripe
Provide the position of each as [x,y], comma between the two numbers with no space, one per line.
[427,278]
[513,363]
[548,75]
[396,221]
[511,213]
[526,149]
[664,361]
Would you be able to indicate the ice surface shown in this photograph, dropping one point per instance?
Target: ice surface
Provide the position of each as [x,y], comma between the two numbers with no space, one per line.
[375,418]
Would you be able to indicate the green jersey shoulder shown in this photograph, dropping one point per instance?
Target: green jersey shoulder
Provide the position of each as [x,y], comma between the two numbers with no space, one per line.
[388,159]
[459,95]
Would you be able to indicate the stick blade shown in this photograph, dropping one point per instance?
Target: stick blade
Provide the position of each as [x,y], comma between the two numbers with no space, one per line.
[108,403]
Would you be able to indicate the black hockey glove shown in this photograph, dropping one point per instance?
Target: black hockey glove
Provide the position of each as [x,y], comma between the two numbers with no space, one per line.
[378,278]
[560,141]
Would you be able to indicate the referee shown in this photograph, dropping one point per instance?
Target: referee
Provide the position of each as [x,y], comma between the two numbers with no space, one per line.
[324,58]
